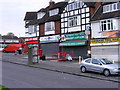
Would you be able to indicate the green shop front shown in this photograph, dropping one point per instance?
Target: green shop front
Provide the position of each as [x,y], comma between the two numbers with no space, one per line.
[74,42]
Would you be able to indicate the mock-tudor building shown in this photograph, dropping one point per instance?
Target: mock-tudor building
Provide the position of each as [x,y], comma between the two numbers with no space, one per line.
[105,22]
[76,27]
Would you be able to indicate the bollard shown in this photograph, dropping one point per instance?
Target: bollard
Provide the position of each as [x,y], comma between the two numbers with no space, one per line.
[79,59]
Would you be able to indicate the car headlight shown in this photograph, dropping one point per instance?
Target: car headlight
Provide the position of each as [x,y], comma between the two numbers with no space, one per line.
[116,69]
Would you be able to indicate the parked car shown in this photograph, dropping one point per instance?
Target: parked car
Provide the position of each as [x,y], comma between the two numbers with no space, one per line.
[99,65]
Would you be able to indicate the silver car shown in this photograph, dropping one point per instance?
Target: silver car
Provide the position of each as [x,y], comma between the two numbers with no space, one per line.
[99,65]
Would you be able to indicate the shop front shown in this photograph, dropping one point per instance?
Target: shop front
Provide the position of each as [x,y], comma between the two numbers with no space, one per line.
[49,44]
[106,48]
[76,43]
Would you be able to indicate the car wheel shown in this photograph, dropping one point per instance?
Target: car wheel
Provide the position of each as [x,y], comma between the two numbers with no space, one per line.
[4,51]
[106,72]
[83,69]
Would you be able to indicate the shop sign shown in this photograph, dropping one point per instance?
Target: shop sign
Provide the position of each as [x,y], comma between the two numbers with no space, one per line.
[31,39]
[111,34]
[74,43]
[107,41]
[47,39]
[10,41]
[76,36]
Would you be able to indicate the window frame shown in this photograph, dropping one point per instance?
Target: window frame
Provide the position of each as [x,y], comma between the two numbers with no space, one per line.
[111,8]
[40,15]
[54,12]
[105,24]
[72,21]
[96,61]
[51,25]
[88,60]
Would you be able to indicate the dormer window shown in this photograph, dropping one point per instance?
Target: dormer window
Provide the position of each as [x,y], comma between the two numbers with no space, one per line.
[111,7]
[40,15]
[53,12]
[74,5]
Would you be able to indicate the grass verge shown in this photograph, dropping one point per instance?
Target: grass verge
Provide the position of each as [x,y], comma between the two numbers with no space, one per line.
[3,88]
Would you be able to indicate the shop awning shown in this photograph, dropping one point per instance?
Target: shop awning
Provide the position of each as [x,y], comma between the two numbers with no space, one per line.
[74,43]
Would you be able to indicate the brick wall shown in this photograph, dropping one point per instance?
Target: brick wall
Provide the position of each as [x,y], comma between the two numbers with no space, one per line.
[41,29]
[92,10]
[57,27]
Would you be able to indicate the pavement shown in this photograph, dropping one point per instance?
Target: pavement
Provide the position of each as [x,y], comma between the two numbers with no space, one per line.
[68,67]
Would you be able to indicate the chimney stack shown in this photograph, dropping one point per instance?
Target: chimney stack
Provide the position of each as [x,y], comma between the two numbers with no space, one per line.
[51,3]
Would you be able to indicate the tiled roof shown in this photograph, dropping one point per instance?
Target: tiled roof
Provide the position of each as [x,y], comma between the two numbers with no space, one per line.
[47,18]
[90,4]
[30,16]
[99,15]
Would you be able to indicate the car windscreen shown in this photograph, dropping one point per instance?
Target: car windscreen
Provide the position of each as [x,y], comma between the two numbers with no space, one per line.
[105,61]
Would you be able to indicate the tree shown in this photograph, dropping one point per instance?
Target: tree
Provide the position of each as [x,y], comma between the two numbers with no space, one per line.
[10,34]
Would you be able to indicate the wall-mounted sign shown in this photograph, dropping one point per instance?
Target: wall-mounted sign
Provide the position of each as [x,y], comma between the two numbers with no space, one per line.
[74,43]
[10,41]
[111,34]
[31,39]
[107,41]
[76,36]
[47,39]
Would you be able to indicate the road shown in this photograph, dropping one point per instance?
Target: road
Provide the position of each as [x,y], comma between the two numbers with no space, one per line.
[19,76]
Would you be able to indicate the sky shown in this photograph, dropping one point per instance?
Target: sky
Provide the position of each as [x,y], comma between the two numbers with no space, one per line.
[12,13]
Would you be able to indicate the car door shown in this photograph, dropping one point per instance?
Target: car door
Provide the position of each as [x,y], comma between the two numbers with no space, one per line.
[96,65]
[87,64]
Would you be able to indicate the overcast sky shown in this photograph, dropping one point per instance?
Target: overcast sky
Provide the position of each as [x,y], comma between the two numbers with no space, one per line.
[12,13]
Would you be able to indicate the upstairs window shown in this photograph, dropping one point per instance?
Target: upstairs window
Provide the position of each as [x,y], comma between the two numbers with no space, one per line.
[49,26]
[72,21]
[111,7]
[106,25]
[31,29]
[54,12]
[74,5]
[40,15]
